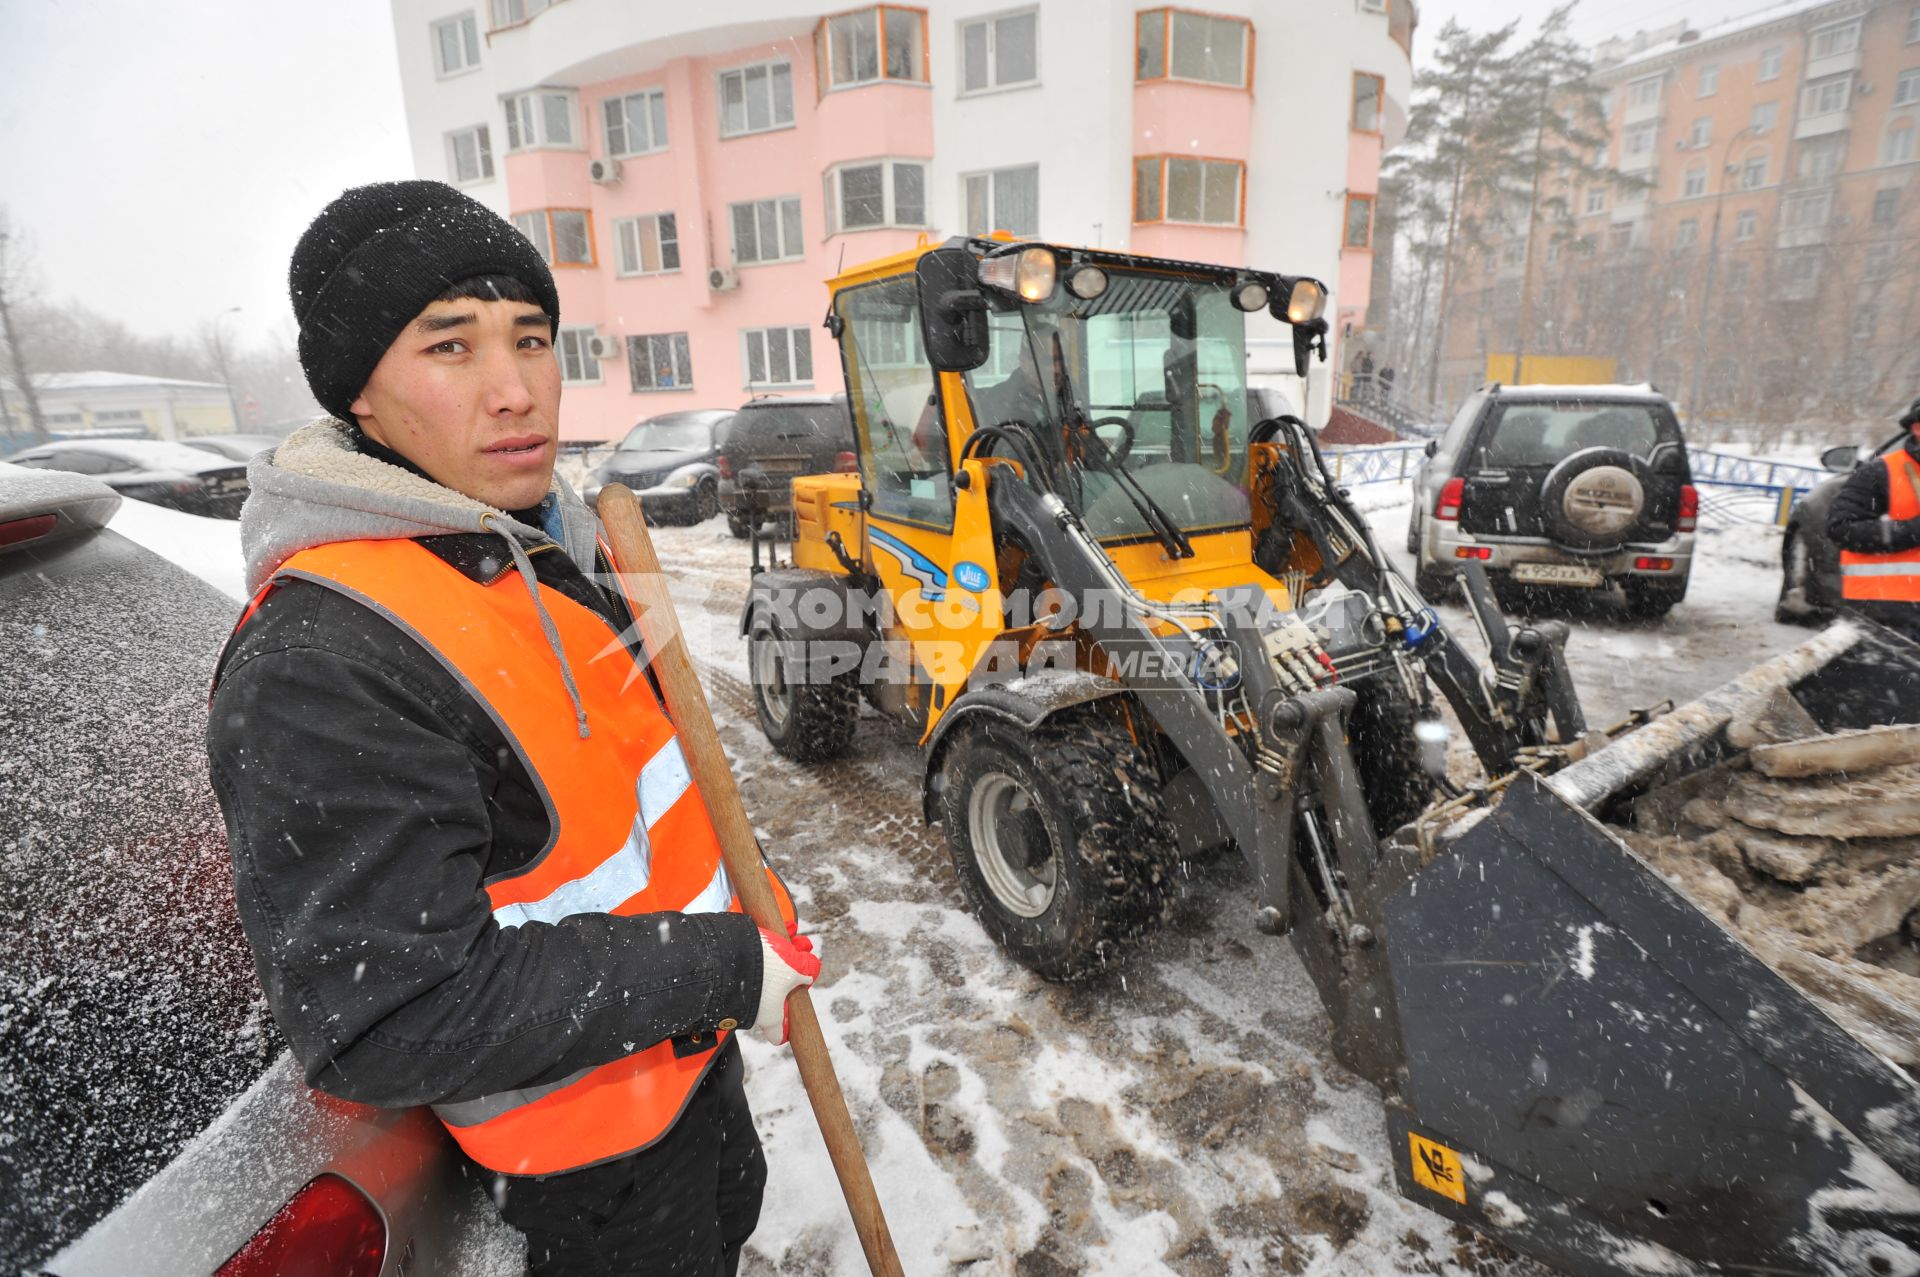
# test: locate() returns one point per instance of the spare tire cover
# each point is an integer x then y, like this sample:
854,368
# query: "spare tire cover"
1594,498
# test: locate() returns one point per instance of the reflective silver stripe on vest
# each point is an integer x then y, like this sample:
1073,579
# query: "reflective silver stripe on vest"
488,1107
625,874
1910,567
715,896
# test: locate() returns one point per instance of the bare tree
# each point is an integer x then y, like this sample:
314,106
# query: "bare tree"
16,269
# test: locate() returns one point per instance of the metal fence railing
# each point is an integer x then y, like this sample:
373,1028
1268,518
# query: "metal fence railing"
1736,489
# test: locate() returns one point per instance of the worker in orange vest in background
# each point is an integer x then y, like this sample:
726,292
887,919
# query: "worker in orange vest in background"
468,854
1875,520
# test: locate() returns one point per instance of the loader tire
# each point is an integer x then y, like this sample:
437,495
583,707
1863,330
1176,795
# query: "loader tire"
809,722
1059,837
1386,754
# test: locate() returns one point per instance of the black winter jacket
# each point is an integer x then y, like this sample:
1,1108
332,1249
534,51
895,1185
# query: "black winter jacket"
368,799
1858,521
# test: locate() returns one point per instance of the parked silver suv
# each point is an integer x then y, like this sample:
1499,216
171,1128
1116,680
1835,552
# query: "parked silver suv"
1559,488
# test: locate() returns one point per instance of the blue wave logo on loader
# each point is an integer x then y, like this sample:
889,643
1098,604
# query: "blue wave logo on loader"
932,578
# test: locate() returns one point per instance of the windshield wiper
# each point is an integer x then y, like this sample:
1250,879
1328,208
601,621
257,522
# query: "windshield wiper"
1074,418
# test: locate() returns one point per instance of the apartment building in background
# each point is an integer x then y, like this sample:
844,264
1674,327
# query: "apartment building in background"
696,174
1757,253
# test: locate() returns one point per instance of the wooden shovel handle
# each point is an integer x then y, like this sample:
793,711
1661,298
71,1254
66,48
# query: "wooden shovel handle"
645,587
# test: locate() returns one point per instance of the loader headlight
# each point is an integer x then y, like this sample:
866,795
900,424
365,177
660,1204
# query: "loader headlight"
1086,282
1306,301
1250,295
1029,274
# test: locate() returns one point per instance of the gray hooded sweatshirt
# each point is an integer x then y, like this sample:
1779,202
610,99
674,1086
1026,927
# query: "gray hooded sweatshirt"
370,797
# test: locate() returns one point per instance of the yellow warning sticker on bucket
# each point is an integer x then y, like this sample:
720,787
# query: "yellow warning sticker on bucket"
1437,1167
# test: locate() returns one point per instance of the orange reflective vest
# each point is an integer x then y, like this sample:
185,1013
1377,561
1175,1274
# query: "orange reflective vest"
1888,578
630,834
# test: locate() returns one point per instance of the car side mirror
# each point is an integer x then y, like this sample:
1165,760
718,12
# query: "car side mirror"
1433,446
1841,459
953,310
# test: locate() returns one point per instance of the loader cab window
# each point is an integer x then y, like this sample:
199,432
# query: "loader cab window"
1157,365
897,419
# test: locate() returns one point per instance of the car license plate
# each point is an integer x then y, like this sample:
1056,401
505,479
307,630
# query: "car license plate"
1556,574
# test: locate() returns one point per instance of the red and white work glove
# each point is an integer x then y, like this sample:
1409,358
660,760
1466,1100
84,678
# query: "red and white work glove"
786,963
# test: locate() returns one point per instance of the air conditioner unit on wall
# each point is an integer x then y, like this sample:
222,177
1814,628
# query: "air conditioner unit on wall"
604,172
723,279
1373,6
604,345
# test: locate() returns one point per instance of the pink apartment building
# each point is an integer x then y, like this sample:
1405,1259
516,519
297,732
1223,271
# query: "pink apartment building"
694,174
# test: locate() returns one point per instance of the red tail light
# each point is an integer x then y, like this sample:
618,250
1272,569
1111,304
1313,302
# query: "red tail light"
328,1229
1448,507
1689,516
28,529
1482,552
846,463
1649,563
724,466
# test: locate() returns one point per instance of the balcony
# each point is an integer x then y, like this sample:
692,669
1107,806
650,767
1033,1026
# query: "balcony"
1643,112
1800,236
1832,64
1646,161
1822,125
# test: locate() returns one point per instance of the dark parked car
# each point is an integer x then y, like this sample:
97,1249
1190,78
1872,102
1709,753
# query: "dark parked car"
669,463
154,1120
1809,562
152,470
234,447
771,441
1561,487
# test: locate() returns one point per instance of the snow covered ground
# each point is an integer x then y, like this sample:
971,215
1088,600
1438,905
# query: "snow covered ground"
1184,1114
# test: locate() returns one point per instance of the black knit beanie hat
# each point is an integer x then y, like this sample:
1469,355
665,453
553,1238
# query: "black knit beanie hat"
373,260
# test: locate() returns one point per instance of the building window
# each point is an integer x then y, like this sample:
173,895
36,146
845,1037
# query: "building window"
1702,133
1913,26
1644,92
1765,116
1175,189
756,98
1176,44
563,236
1825,97
766,231
1770,60
1368,92
1746,226
469,155
1843,37
1596,199
1798,274
1620,237
1359,232
456,45
636,123
1865,320
1879,260
1005,199
1807,210
1885,204
869,45
1640,138
777,356
660,361
541,118
1695,182
1709,79
1821,157
577,364
1897,146
1000,52
1906,89
647,245
508,12
882,193
1686,233
1753,172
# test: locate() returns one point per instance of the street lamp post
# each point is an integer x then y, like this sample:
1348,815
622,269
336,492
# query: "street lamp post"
220,355
1713,262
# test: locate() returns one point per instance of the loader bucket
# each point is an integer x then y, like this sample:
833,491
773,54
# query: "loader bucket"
1602,1074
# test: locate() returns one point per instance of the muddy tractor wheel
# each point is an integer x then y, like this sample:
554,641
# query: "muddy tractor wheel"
1059,837
807,721
1387,756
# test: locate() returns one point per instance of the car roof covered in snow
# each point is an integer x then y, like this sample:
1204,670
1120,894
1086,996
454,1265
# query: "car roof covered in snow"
1639,390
